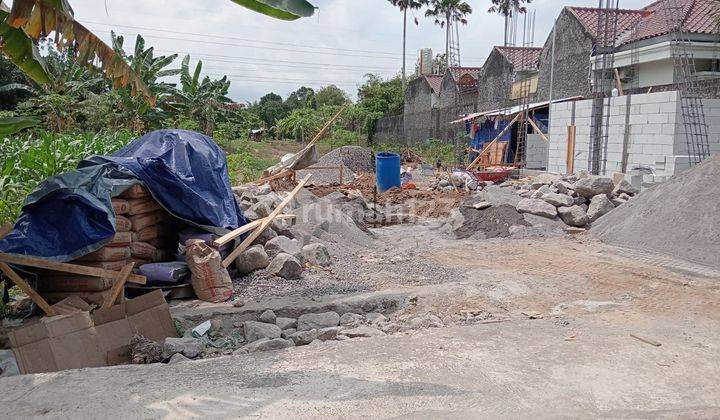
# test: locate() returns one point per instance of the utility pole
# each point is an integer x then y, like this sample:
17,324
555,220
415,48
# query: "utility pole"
404,79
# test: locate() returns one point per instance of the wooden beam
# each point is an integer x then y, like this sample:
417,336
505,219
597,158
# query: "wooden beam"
266,222
67,268
22,284
618,84
280,175
502,133
570,157
245,228
118,286
317,137
537,130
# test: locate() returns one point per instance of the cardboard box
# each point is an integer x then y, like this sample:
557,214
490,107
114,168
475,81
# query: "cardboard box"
81,340
57,343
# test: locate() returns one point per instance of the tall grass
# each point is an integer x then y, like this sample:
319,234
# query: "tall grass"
27,160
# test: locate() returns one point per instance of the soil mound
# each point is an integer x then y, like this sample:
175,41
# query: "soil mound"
680,217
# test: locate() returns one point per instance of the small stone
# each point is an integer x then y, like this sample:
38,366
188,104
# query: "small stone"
573,216
253,258
572,230
316,254
537,207
391,328
376,318
350,319
263,208
558,200
288,332
302,338
546,179
308,322
266,344
625,187
592,185
599,206
283,244
285,266
257,330
522,192
177,358
482,205
363,331
285,323
187,346
326,334
268,317
264,189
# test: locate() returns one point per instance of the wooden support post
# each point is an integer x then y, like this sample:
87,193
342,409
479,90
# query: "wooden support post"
118,286
537,129
570,157
341,174
618,84
22,284
266,222
499,136
245,228
67,268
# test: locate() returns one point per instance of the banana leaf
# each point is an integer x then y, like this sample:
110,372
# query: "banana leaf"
11,125
21,50
280,9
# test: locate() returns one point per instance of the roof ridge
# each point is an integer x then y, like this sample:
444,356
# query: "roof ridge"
618,10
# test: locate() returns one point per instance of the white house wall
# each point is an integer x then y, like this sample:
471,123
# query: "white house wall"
656,135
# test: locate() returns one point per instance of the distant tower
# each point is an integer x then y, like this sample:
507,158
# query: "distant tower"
425,61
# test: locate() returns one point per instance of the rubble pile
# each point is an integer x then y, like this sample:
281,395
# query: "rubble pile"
456,181
576,200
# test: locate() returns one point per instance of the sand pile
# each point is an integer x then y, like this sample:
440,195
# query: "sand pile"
680,217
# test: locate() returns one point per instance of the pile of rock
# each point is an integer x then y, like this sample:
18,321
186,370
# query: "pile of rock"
457,180
576,200
281,249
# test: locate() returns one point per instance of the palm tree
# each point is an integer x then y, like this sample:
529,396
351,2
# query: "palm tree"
445,12
404,5
506,8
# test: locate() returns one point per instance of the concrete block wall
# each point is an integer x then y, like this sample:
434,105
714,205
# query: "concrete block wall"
656,136
536,152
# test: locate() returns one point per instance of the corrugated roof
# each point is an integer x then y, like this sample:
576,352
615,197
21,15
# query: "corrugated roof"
435,82
521,57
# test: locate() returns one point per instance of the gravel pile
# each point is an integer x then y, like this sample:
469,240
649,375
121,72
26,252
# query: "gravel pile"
354,159
680,217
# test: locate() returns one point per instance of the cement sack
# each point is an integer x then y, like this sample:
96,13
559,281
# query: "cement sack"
141,221
107,254
120,206
143,250
73,283
210,280
149,233
136,191
121,239
106,265
142,205
122,224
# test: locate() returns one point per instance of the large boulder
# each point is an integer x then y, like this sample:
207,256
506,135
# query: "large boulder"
266,344
308,322
558,200
285,323
285,266
537,207
187,346
302,338
284,244
547,179
256,330
263,208
573,216
599,206
253,258
316,254
592,185
363,331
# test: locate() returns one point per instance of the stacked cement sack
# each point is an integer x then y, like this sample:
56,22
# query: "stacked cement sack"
144,235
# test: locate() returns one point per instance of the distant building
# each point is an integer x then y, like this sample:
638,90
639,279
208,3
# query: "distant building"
496,85
425,62
422,98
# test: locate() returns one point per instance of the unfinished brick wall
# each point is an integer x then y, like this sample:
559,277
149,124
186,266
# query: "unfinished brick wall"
494,82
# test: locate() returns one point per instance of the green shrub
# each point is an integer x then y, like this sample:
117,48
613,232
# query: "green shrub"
244,167
27,160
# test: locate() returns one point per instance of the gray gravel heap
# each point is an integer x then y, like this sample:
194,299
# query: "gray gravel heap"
354,159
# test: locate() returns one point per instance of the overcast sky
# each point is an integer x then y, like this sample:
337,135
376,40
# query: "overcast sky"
343,41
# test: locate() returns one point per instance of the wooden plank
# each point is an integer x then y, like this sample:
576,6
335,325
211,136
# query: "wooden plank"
266,222
67,268
570,157
618,84
502,133
245,228
646,340
283,174
22,284
537,130
118,285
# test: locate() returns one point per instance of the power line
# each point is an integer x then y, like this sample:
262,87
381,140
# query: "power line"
256,46
243,39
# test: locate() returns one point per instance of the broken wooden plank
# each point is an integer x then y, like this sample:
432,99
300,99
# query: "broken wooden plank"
284,174
570,156
22,284
118,285
266,222
646,340
245,228
67,268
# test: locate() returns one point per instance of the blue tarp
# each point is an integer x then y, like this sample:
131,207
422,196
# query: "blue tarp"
70,215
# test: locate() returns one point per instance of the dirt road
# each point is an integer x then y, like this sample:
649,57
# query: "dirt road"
577,359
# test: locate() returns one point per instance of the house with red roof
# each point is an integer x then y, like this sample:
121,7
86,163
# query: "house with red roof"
506,68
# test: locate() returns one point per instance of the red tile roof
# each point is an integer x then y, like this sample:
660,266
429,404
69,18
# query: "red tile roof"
435,82
698,17
458,72
521,57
